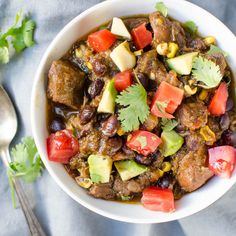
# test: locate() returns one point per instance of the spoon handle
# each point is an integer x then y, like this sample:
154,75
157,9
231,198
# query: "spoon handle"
32,221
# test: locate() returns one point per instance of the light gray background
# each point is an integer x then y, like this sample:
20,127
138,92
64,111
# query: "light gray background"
57,212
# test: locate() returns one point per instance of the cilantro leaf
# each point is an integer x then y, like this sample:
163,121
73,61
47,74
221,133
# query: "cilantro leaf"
135,110
25,164
207,72
215,49
161,7
191,27
4,55
167,124
161,106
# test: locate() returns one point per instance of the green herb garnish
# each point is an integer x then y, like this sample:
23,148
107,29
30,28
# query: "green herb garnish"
22,37
135,110
191,27
168,124
161,7
207,72
215,49
161,106
26,163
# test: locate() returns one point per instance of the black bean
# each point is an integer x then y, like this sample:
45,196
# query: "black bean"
229,138
143,79
230,104
95,88
99,67
86,114
110,126
147,161
165,181
110,146
128,151
224,121
56,125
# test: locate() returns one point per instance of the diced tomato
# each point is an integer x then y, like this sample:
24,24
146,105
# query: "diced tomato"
222,160
143,142
141,36
158,199
169,95
217,105
101,40
123,80
61,146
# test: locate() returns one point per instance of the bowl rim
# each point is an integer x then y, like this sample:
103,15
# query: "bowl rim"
39,70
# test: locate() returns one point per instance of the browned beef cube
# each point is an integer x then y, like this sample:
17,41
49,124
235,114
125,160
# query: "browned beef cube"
65,84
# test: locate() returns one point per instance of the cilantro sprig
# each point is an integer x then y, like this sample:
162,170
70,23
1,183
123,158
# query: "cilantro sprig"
161,7
207,72
26,163
135,109
22,37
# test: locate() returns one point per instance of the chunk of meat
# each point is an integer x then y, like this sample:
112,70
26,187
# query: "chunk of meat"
149,65
192,115
192,171
103,191
196,44
166,30
131,23
194,141
214,125
150,123
219,59
65,84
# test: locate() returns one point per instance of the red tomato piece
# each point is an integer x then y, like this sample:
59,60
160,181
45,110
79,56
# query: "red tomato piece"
61,146
123,80
141,36
171,96
158,199
143,142
222,160
217,105
101,40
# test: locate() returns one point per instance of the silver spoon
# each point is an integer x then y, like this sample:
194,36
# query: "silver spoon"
8,127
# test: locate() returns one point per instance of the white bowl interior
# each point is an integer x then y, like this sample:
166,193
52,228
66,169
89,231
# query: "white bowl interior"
180,10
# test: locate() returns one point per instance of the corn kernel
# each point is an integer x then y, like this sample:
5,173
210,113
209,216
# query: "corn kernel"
138,53
83,182
166,166
89,65
161,172
210,40
203,95
78,53
173,48
189,91
120,131
162,49
191,82
208,134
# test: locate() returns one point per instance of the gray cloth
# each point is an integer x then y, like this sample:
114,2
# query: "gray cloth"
57,212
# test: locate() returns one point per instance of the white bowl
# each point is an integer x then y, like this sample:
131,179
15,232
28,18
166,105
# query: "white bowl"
82,24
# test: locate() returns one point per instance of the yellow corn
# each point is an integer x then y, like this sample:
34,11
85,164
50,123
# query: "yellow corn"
189,91
161,172
208,134
89,65
173,48
203,95
191,82
83,182
78,52
166,166
210,40
138,53
162,49
120,131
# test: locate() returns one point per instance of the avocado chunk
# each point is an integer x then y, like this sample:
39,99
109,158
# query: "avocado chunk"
129,169
182,64
118,28
123,57
107,103
100,168
171,143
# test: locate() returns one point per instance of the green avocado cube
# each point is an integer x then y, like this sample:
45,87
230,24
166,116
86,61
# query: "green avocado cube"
171,143
129,168
100,168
